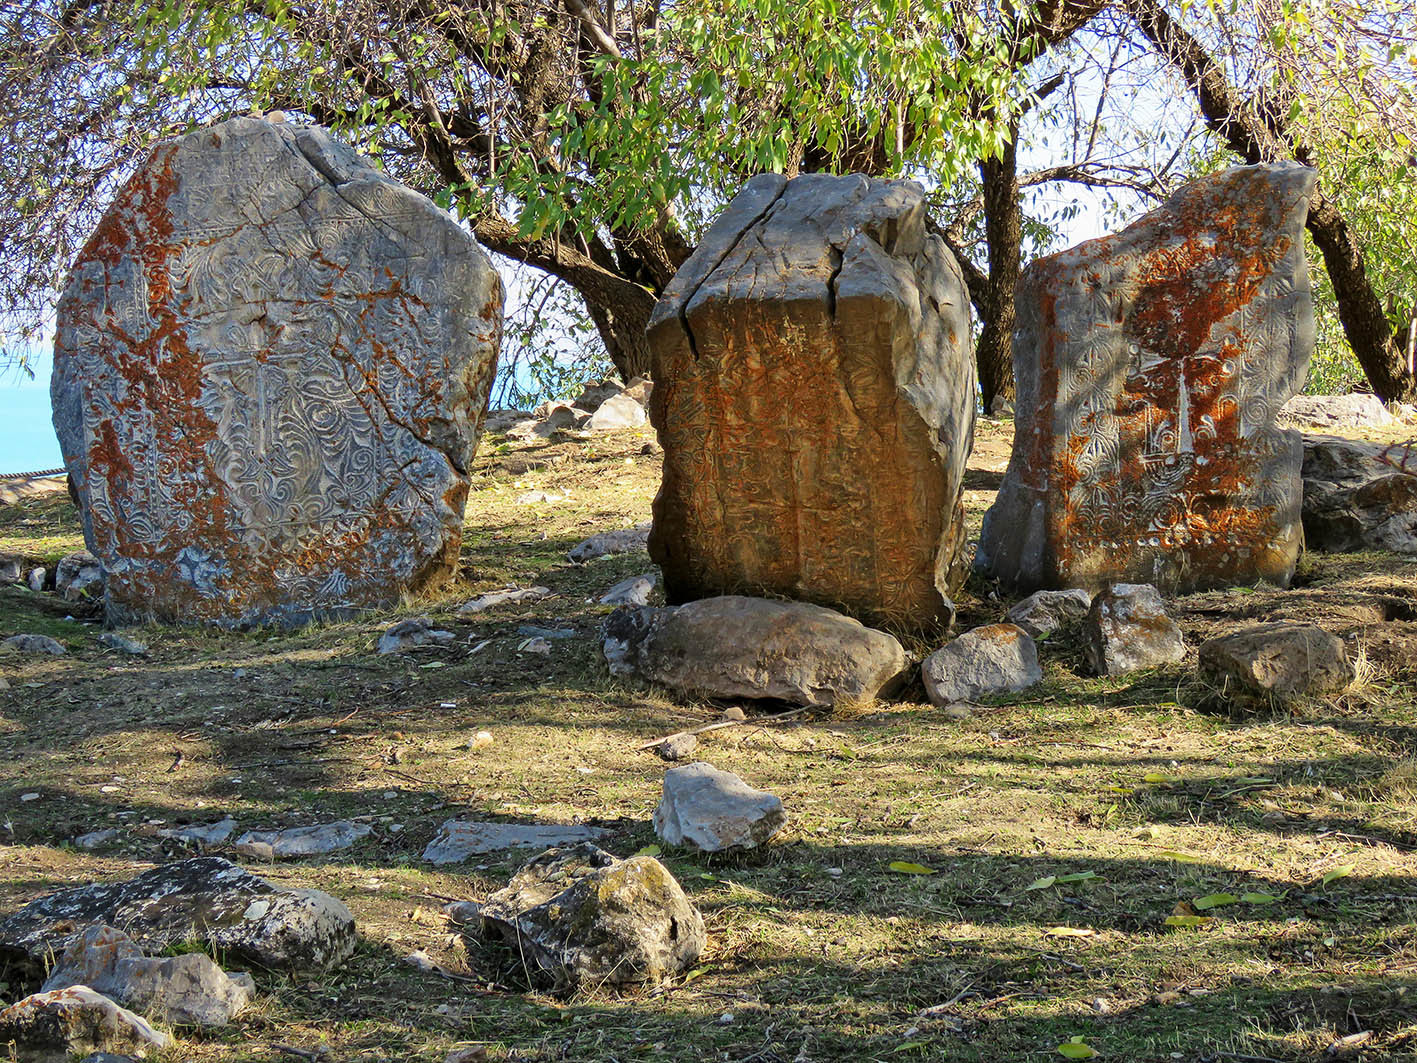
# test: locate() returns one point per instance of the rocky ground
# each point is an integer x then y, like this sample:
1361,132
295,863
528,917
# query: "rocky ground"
968,884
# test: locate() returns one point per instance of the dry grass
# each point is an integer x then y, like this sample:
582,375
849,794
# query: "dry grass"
817,950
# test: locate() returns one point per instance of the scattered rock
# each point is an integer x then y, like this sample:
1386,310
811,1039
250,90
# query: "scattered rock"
822,406
189,989
539,632
1355,500
509,596
996,659
481,740
1150,364
557,419
633,591
11,571
78,576
308,841
96,839
116,640
1356,410
535,644
207,900
202,833
459,839
604,544
581,917
1044,612
615,413
594,394
51,1027
735,647
33,644
639,389
1128,629
37,578
299,444
677,747
498,421
1278,660
715,811
415,631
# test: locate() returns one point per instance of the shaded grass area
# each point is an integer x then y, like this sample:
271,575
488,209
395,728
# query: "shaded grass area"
1132,801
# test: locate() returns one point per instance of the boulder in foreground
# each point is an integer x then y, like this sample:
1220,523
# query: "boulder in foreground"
1128,629
994,659
1281,661
52,1027
715,811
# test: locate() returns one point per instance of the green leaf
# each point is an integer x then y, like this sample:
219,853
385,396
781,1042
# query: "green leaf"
649,850
1041,884
1260,898
1213,900
1077,1048
1188,920
904,867
1180,857
1341,871
1077,876
1157,778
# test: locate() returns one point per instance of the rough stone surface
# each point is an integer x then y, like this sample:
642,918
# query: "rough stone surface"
202,833
308,841
633,591
415,631
1354,500
604,544
583,918
1356,410
52,1027
37,578
78,576
206,900
616,412
508,596
116,640
715,811
815,396
1044,612
594,394
188,989
11,571
995,659
1280,660
271,362
96,839
677,747
736,647
1128,629
459,839
33,644
1150,366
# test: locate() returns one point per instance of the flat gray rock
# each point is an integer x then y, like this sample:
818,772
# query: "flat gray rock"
459,839
737,647
581,918
633,591
1128,629
36,579
715,811
202,833
11,571
207,900
53,1027
78,576
40,644
995,659
1043,612
96,839
313,840
1355,499
1356,410
615,413
605,544
508,596
1281,661
116,640
411,633
271,363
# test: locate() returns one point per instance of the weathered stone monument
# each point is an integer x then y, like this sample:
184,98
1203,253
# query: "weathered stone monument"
1150,366
270,369
815,394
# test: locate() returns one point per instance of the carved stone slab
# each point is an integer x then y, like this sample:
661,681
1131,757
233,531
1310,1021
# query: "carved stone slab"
270,369
1150,367
815,394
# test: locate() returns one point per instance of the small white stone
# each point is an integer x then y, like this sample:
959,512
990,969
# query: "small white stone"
29,797
256,909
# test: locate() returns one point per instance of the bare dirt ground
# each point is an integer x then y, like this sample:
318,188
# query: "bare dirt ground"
1062,827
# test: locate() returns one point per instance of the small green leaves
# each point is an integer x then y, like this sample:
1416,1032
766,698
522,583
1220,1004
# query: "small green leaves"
1180,857
1214,900
1341,871
1077,1048
1188,920
649,850
1060,880
1262,898
904,867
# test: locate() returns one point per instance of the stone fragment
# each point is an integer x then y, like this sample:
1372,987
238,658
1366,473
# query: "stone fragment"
202,833
735,647
815,401
459,839
33,644
501,420
616,412
677,747
509,596
1354,500
559,418
37,578
1044,612
313,840
1355,410
271,363
206,900
1278,660
96,839
189,989
52,1027
640,390
116,640
604,544
78,576
11,571
415,631
1128,629
995,659
1150,366
594,394
715,811
580,917
633,591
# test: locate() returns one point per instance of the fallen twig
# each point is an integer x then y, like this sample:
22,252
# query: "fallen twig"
753,721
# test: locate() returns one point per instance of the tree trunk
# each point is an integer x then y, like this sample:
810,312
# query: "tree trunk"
1003,233
622,330
1369,333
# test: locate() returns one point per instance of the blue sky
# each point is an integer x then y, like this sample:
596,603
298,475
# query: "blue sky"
26,433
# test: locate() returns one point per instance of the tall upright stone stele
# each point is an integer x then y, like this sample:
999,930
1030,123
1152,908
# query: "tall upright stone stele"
1150,366
270,370
814,394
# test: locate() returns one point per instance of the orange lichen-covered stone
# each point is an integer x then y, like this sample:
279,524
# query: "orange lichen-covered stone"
815,394
1150,367
270,369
